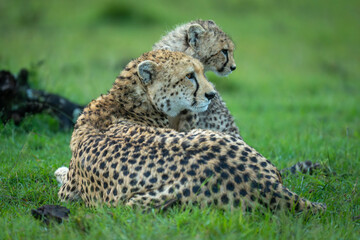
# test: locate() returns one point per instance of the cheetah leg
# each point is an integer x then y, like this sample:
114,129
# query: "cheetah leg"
167,204
154,199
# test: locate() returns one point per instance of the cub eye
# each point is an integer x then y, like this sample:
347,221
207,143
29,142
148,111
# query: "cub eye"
225,52
190,75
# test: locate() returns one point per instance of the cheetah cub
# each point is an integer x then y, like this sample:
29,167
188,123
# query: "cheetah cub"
205,41
123,151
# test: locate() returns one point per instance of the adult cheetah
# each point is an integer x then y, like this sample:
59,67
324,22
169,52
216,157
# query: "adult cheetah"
124,153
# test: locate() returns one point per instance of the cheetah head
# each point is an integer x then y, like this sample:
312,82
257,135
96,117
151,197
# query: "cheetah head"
176,84
212,47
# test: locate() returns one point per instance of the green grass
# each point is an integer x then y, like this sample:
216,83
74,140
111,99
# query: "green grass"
295,96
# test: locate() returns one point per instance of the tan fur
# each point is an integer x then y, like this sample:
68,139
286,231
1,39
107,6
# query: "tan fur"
123,152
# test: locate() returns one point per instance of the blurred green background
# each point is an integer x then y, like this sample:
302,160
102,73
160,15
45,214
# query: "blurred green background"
295,96
298,69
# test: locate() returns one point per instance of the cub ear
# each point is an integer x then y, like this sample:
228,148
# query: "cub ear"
146,71
210,22
193,35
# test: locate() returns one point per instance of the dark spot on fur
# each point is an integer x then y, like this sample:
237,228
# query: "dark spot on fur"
215,188
191,172
215,149
246,177
207,193
230,186
254,159
224,199
153,180
186,192
196,189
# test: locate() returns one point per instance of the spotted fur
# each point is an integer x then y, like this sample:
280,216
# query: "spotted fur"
124,153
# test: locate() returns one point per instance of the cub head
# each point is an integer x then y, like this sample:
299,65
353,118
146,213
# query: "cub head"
175,82
211,46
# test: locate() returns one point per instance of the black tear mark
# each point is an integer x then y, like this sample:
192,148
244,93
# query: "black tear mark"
197,86
226,62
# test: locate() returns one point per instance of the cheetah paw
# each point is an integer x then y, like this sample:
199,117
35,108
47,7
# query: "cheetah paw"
61,175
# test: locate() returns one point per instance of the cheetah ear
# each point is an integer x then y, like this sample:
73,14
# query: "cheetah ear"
193,35
210,22
146,71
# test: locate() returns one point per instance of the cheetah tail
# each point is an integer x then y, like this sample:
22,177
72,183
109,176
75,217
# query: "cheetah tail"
301,167
299,204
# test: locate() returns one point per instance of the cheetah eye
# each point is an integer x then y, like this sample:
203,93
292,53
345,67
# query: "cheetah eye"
190,76
225,52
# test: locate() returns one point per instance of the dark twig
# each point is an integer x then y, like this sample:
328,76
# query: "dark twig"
18,100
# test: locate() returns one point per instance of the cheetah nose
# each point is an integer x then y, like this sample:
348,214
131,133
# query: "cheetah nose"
210,95
232,68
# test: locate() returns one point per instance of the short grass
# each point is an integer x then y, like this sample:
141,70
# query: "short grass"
295,96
